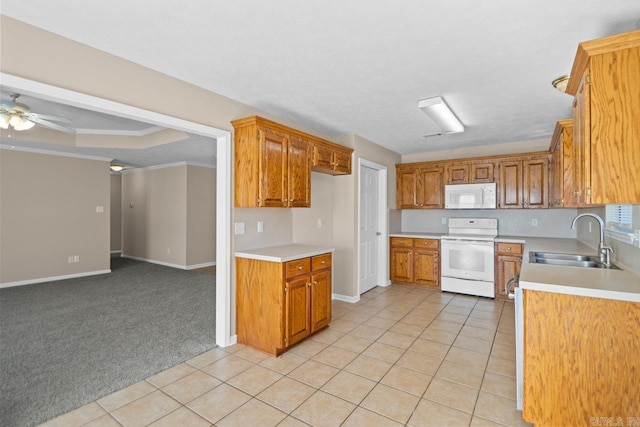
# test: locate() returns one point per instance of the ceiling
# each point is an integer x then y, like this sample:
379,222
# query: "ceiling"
190,148
358,66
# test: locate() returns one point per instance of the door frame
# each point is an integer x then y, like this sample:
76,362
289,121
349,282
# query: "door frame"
223,175
383,265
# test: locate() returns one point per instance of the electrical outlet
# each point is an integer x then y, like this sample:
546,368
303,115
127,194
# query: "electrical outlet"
444,220
70,259
319,222
534,222
99,209
239,227
260,226
76,258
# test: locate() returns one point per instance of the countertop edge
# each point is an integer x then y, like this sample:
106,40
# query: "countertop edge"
283,253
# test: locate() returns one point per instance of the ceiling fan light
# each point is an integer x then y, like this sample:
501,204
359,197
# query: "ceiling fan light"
4,121
28,124
23,125
15,120
441,114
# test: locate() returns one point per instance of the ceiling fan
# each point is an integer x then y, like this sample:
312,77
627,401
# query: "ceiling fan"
20,117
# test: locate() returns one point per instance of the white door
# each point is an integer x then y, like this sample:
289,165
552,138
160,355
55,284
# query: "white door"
369,233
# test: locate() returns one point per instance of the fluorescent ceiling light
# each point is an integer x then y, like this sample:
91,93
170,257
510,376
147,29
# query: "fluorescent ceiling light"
441,114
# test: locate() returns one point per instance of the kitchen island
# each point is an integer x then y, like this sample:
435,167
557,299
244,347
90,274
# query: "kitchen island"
283,295
581,330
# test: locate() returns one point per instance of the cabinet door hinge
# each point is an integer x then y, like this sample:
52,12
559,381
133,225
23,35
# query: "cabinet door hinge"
587,79
588,191
286,289
285,340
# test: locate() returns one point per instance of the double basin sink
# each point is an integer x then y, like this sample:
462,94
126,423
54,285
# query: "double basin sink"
570,260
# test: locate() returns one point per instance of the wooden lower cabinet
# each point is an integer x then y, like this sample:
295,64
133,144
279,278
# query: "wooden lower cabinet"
280,304
415,261
507,265
581,364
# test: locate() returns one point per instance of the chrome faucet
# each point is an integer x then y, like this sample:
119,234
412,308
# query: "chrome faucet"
604,251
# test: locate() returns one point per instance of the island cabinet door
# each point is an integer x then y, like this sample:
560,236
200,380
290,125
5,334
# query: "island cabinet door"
297,319
320,300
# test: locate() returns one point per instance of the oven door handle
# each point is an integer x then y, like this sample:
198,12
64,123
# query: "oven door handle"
513,282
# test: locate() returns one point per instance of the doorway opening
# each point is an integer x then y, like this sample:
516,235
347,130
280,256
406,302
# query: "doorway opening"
223,175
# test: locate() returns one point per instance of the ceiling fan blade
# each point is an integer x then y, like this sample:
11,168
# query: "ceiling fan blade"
52,125
47,117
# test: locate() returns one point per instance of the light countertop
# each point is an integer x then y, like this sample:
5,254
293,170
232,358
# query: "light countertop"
284,253
592,282
419,235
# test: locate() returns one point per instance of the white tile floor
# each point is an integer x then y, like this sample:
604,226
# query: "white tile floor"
403,355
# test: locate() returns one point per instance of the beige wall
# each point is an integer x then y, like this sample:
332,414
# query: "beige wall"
345,218
201,215
168,215
485,150
48,213
154,214
116,212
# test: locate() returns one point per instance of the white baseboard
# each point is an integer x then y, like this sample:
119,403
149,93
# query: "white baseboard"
384,285
53,278
233,339
345,298
119,251
203,265
168,264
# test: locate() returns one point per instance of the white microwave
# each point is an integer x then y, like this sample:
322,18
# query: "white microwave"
470,196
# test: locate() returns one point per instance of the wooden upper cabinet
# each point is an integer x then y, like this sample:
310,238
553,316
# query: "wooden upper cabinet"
524,183
429,193
510,185
419,187
406,186
457,173
299,173
482,172
471,172
272,163
273,168
582,148
606,119
535,183
561,166
331,158
522,180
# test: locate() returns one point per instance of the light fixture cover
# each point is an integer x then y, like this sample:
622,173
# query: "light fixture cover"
561,83
441,114
116,168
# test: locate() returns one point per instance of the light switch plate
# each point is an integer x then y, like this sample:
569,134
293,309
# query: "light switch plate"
260,226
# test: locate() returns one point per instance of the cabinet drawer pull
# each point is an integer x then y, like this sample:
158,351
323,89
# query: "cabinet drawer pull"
323,262
315,282
299,267
309,284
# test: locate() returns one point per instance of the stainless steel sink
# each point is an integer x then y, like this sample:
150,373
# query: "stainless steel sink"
568,260
551,255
